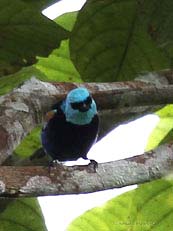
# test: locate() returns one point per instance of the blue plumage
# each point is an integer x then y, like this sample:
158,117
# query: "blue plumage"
79,96
72,127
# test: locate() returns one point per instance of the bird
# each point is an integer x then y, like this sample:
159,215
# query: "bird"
71,127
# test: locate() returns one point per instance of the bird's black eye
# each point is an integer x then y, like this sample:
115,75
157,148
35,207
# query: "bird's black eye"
79,105
88,100
76,105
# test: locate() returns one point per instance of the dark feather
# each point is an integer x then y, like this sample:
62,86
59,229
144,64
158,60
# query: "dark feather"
66,141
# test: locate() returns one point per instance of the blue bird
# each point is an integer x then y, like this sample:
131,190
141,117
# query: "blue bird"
72,127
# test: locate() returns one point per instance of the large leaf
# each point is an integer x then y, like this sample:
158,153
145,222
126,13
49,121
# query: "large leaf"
24,34
116,40
163,132
41,4
21,215
149,207
58,66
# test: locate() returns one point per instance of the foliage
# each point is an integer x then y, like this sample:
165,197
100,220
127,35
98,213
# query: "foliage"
149,207
58,66
25,33
21,215
30,143
163,133
9,82
116,40
106,41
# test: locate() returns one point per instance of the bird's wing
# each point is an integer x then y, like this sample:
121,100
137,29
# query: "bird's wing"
49,115
55,112
96,128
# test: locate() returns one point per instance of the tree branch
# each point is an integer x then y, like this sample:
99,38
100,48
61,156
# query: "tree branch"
22,109
37,181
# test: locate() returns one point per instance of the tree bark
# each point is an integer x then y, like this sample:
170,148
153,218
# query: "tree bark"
61,180
23,108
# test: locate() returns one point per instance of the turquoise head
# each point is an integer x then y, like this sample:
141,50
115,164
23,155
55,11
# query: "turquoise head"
79,107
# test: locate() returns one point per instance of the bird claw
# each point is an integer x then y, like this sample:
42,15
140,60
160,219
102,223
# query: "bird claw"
92,166
54,164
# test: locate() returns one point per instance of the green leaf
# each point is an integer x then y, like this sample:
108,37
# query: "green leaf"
24,34
21,215
149,207
67,20
41,4
163,132
29,144
58,66
9,82
116,40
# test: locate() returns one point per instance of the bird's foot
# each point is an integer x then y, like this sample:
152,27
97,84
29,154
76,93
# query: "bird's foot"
92,166
54,164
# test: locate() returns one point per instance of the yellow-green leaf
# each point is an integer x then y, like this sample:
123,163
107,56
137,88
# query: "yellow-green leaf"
163,132
149,207
58,65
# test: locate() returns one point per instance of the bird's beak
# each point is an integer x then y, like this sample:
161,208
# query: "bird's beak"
84,107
